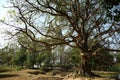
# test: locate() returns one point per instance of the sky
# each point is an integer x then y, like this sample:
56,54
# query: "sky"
2,10
3,13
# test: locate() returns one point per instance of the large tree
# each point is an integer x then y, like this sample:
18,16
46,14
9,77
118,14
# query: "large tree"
82,24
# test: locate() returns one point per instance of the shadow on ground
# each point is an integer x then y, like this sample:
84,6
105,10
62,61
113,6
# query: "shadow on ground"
50,78
5,70
37,72
7,75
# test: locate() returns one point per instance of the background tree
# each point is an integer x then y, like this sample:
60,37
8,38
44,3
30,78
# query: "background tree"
44,60
118,58
74,57
20,58
102,61
30,60
78,21
6,55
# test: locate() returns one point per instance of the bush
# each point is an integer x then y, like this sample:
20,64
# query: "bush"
19,68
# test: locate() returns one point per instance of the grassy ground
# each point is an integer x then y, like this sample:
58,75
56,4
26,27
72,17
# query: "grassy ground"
29,74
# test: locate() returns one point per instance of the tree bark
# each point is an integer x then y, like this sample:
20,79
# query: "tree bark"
85,67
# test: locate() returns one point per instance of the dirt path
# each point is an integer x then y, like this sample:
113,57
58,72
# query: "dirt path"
18,75
28,75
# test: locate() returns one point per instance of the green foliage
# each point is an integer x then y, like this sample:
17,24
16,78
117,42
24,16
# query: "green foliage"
30,61
20,57
115,67
118,57
102,61
74,57
19,68
45,58
6,55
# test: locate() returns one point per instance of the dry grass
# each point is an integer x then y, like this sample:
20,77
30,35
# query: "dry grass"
29,74
18,75
89,79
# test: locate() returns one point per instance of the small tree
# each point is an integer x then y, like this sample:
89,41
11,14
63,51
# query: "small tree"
102,61
74,58
30,61
20,58
6,55
46,58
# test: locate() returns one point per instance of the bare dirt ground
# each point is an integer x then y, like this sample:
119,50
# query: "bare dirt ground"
29,74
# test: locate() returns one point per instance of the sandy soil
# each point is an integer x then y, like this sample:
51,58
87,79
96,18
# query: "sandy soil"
27,75
18,75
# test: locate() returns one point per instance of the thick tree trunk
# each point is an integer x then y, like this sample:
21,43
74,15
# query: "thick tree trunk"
85,67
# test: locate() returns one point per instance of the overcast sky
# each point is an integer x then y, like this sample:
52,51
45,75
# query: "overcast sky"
3,13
